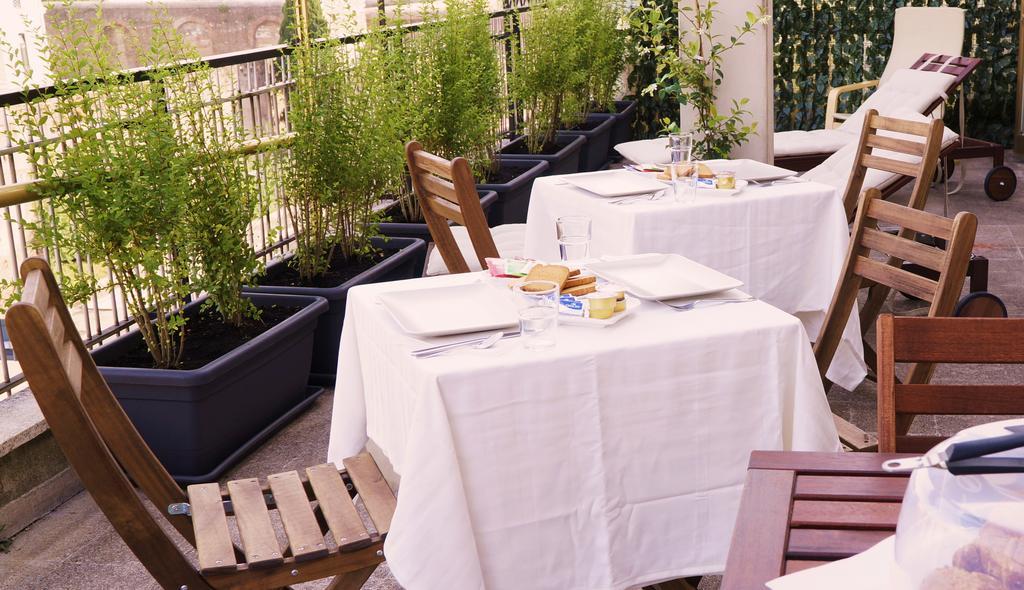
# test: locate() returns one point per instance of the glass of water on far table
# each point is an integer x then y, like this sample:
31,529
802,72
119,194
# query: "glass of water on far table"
681,166
538,313
573,237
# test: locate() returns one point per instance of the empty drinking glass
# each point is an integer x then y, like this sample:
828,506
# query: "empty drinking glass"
573,237
538,313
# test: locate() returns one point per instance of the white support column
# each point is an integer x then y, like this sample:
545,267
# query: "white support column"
748,73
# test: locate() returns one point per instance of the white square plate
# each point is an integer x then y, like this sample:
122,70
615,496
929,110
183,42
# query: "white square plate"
457,309
663,276
751,169
615,183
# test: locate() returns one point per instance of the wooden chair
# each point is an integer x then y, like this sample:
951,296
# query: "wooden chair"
108,454
942,292
446,191
873,136
943,340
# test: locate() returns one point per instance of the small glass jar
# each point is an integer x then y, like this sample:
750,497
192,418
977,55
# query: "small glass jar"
725,180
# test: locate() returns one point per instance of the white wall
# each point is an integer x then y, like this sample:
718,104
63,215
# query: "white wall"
748,73
21,26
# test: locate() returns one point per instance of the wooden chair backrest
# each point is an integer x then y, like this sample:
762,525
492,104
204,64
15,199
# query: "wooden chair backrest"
927,150
943,340
942,292
99,440
446,191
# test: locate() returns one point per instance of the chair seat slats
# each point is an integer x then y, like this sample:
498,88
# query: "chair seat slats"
906,282
304,536
373,489
889,165
912,219
339,512
959,400
904,249
73,366
439,187
36,291
893,144
55,325
213,540
259,542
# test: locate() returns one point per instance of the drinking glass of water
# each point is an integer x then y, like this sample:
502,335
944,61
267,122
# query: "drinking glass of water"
682,169
538,313
573,237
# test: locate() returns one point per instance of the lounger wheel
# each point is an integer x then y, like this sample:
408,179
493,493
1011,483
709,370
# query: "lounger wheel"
981,304
1000,183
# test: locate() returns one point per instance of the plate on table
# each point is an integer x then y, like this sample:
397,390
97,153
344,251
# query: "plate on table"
724,192
615,183
663,276
751,169
457,309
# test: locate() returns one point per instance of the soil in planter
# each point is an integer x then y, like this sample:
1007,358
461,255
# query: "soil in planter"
397,215
520,147
502,175
586,125
208,338
284,275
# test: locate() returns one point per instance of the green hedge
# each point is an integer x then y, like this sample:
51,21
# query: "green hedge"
820,44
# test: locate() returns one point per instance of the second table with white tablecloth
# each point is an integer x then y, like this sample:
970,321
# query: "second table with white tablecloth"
616,458
787,242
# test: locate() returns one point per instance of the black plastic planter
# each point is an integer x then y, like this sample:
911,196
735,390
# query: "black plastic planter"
200,422
420,230
598,130
564,161
514,195
622,130
401,264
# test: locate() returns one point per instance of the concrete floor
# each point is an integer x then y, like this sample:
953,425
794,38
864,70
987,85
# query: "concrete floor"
75,548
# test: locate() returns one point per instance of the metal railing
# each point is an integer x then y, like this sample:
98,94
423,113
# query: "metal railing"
252,87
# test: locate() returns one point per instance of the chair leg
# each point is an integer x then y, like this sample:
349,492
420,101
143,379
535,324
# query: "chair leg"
352,580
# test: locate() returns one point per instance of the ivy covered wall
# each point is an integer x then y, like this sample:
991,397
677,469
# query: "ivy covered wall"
820,44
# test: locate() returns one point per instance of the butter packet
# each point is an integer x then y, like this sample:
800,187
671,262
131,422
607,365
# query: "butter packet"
509,267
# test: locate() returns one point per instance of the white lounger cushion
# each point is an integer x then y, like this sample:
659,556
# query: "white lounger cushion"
835,171
509,239
645,151
907,91
819,141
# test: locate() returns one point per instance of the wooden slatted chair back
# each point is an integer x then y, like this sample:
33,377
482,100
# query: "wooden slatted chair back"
922,141
948,268
92,429
943,340
446,191
955,65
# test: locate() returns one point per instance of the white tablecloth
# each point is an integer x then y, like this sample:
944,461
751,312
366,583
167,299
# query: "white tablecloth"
615,459
787,243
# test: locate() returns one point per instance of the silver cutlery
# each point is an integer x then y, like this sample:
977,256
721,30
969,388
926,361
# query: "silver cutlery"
653,196
690,305
490,340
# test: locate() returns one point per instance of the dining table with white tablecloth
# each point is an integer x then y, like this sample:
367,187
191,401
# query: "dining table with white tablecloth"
614,459
787,241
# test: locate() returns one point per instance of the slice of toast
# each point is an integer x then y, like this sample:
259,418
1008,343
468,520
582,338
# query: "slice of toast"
576,281
546,272
580,289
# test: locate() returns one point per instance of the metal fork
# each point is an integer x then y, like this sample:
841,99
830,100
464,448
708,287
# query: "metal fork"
633,198
693,304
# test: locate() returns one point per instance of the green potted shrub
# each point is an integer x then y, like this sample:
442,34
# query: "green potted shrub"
146,191
346,155
553,78
453,104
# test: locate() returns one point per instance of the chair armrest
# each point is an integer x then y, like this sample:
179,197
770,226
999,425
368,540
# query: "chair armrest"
831,119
